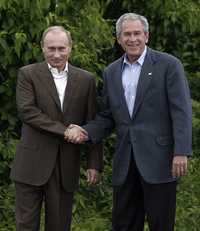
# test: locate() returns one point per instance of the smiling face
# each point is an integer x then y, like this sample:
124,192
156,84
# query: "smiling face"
56,49
133,38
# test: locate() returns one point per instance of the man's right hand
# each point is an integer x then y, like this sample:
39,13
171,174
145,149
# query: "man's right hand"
75,134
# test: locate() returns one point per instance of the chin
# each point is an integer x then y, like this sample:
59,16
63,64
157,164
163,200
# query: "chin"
134,54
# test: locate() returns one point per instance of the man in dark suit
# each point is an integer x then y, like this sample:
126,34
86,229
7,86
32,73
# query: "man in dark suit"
146,98
50,96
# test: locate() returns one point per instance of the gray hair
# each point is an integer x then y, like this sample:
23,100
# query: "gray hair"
58,29
131,16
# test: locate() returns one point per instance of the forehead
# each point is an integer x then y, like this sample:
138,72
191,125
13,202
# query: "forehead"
56,38
132,25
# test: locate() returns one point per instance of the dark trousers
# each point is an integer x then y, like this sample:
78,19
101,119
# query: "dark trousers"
136,200
58,205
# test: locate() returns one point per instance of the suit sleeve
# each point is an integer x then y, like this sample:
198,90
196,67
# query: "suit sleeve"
95,156
180,108
103,123
28,110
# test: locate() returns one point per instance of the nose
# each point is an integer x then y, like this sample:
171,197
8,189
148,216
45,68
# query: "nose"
57,53
132,37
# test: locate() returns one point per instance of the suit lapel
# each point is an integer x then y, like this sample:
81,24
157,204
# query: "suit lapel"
117,83
146,76
48,82
71,87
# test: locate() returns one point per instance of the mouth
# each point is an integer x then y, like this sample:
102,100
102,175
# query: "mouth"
133,48
56,61
133,45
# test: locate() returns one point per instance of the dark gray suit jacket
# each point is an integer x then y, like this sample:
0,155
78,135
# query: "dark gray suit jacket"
161,122
44,124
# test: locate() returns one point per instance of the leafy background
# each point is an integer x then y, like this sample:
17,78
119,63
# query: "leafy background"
174,28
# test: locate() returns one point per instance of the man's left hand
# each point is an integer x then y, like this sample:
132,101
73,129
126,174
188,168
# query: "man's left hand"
93,176
179,165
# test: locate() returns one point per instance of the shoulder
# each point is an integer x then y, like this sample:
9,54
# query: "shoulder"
32,72
163,57
31,68
116,64
81,73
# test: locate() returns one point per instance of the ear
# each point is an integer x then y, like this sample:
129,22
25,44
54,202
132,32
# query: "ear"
147,37
119,40
42,47
70,49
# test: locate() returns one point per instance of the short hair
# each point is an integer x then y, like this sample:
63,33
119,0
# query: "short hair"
131,16
56,28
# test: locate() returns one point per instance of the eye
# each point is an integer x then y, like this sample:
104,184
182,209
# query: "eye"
51,49
127,34
62,49
137,33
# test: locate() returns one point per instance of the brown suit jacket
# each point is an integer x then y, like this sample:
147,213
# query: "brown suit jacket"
44,124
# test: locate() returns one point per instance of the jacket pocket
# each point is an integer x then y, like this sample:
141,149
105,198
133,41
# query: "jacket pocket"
26,146
164,140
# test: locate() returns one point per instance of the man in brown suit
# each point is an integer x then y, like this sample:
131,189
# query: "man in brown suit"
50,96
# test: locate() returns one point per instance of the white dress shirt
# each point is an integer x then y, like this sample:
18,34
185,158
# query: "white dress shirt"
60,80
130,77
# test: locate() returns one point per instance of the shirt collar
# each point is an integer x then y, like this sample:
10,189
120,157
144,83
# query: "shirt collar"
55,70
139,61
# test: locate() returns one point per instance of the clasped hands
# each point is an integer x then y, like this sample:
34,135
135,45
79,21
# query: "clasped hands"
75,134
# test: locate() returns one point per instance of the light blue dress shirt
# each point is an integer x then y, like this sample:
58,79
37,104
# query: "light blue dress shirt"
130,77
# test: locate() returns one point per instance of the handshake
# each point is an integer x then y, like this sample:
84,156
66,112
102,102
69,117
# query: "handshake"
75,134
